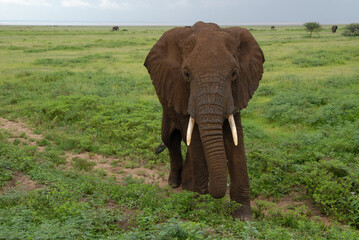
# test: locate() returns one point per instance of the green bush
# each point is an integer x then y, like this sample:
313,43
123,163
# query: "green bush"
351,30
312,27
332,190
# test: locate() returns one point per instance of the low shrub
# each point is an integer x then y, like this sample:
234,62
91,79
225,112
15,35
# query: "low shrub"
351,30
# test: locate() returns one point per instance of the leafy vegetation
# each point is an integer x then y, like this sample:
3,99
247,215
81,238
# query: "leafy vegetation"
351,30
85,89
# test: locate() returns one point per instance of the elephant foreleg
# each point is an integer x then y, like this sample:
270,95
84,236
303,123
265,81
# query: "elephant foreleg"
237,165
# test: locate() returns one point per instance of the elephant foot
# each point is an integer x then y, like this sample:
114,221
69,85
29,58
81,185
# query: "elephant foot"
174,180
243,213
187,186
201,190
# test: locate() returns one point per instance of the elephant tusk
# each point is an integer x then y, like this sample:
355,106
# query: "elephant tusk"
233,129
190,130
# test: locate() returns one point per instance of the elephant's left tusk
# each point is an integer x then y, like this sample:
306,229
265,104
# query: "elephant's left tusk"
190,130
233,129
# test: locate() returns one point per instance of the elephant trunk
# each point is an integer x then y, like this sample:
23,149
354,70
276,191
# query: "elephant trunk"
211,111
212,140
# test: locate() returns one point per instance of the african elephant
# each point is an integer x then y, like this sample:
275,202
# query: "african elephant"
203,76
334,28
115,28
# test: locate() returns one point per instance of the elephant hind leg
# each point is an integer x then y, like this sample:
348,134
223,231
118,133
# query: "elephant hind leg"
173,144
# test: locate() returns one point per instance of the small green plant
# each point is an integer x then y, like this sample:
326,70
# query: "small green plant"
5,175
82,164
54,156
114,163
312,27
23,135
43,142
16,141
131,164
101,172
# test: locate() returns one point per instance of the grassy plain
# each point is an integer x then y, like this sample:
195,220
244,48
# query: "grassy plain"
86,90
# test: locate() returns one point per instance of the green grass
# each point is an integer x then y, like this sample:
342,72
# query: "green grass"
85,89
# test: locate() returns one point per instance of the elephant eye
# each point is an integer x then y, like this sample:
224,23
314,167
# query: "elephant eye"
186,75
234,74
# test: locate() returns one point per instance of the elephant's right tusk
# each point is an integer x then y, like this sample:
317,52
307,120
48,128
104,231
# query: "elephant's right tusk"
190,130
233,129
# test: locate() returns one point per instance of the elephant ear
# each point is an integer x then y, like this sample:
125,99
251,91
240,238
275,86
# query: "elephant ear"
251,59
163,63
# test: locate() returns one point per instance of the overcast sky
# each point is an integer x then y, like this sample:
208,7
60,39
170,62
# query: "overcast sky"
182,12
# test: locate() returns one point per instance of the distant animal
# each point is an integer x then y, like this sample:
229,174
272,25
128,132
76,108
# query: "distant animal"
334,28
272,27
115,28
203,76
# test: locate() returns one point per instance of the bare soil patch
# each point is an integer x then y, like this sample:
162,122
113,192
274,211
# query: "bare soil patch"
296,199
115,167
23,182
22,132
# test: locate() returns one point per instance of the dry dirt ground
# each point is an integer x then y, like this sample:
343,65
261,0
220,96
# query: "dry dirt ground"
111,166
21,181
20,132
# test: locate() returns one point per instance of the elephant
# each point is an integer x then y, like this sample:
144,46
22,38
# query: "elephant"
334,28
203,76
115,28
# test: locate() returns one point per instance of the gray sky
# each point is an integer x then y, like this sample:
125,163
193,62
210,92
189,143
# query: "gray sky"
182,12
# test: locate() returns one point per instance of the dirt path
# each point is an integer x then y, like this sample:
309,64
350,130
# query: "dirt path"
115,167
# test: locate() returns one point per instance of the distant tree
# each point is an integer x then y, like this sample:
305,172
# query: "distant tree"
351,30
312,27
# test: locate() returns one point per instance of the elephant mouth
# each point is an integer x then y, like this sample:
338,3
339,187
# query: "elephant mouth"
231,123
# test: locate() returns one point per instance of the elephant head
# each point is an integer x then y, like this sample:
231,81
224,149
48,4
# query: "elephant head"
207,74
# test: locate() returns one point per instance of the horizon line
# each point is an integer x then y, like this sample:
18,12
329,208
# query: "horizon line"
111,23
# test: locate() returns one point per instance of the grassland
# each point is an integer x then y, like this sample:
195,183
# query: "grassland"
85,90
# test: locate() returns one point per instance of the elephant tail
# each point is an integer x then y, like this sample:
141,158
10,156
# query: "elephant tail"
160,148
